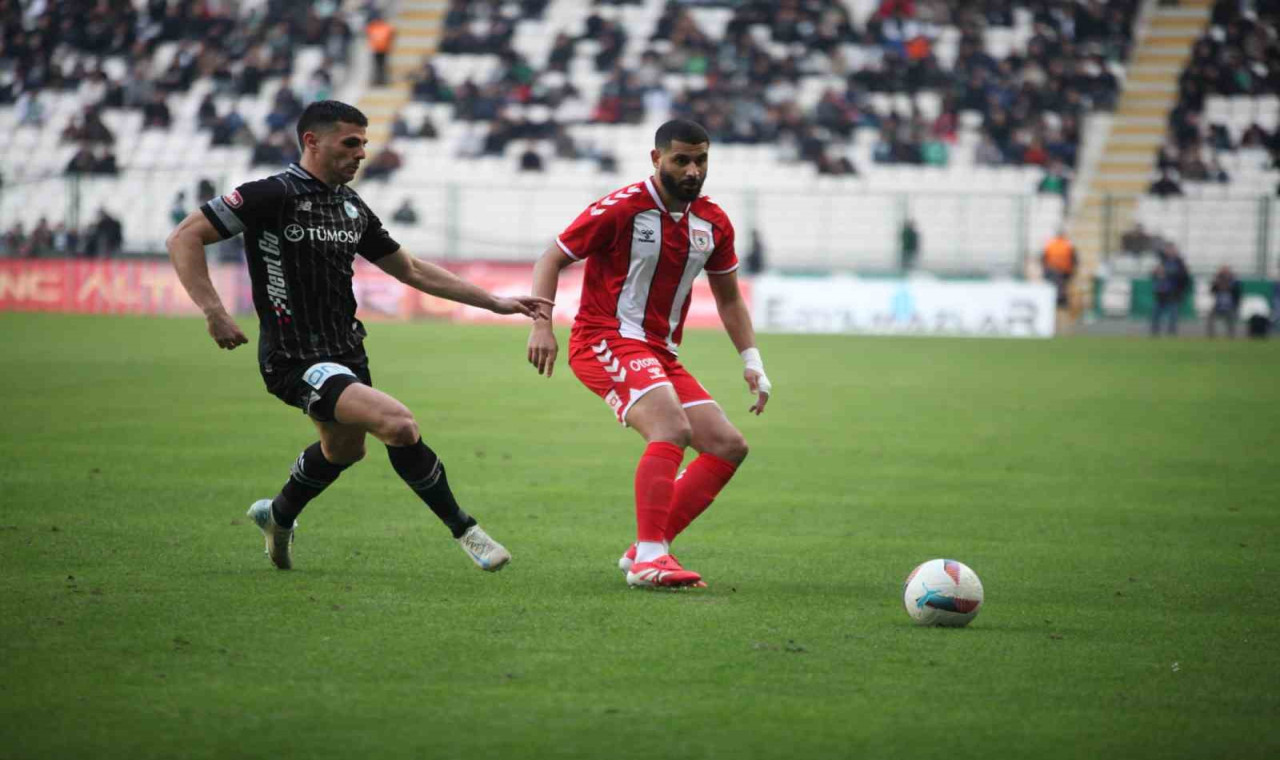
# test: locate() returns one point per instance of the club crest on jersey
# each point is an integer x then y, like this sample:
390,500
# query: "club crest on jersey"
350,208
700,240
233,199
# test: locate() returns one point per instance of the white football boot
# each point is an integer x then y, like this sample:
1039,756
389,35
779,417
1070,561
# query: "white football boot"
488,554
279,541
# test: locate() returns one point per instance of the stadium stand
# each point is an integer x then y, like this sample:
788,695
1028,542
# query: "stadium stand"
834,122
1201,171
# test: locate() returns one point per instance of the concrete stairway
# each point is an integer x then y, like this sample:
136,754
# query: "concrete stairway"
419,26
1126,166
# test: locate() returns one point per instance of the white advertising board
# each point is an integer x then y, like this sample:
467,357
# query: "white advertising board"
984,309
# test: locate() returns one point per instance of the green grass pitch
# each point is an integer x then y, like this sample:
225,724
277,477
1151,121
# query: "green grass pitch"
1117,497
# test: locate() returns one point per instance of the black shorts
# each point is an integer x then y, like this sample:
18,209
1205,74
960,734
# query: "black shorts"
314,385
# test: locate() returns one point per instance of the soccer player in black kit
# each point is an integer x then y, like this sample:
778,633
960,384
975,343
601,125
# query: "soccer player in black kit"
303,228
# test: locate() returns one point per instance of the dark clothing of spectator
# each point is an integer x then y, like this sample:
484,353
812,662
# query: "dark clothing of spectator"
156,114
1227,293
1165,187
531,161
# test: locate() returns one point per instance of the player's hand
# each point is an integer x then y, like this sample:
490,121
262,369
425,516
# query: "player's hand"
759,384
526,305
224,331
543,348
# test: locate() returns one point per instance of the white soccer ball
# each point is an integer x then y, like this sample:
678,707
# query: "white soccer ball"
942,592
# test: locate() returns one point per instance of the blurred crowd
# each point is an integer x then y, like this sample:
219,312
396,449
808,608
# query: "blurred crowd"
103,238
745,87
1238,55
60,46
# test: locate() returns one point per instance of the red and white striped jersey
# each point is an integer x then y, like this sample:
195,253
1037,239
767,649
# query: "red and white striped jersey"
642,261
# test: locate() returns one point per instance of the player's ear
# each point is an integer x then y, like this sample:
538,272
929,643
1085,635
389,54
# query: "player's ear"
655,155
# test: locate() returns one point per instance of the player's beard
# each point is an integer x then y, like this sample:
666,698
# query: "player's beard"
686,192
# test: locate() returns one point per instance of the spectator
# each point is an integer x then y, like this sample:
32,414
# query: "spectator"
13,243
205,191
381,35
106,236
755,261
207,113
104,162
1060,262
909,251
1170,283
156,113
383,165
41,241
82,162
1055,180
429,87
406,214
1136,241
178,209
1227,293
1165,186
30,110
530,160
230,130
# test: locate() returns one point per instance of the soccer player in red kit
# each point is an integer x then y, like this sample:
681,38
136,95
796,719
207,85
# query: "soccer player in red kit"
644,245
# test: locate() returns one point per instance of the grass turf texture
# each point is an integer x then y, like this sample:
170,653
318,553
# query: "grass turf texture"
1117,498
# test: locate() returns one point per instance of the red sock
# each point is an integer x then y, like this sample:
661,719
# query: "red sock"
655,484
695,491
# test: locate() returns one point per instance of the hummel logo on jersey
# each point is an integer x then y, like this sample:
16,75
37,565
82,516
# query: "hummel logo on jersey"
645,234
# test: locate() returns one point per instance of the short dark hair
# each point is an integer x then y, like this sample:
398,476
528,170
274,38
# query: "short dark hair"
680,130
325,113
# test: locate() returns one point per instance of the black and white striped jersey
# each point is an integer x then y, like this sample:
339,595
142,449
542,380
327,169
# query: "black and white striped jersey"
301,237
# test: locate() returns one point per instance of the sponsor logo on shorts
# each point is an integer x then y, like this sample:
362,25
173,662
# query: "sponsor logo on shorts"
639,364
613,400
318,374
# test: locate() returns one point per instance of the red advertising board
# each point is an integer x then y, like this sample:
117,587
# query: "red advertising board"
86,286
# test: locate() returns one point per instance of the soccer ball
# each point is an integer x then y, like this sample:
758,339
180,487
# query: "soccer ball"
942,592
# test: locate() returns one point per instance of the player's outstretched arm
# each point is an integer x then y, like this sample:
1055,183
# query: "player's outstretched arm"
441,283
186,250
543,347
737,322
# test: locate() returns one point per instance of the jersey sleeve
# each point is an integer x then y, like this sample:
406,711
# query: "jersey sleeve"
376,241
592,232
253,203
724,259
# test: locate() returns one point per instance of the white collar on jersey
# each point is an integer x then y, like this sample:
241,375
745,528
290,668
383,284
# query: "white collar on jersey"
657,198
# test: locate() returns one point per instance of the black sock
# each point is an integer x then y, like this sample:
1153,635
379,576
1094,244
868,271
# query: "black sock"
311,474
423,471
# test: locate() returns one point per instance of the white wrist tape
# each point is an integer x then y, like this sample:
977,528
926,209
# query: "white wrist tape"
751,360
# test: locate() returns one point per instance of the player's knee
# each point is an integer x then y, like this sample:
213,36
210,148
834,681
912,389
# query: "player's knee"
732,448
678,432
400,429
